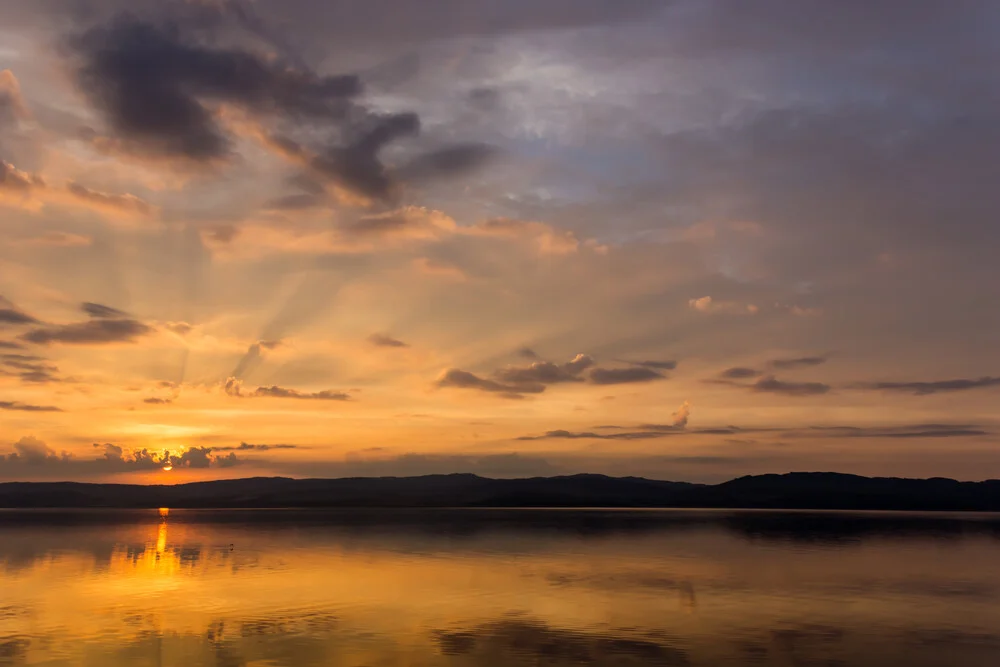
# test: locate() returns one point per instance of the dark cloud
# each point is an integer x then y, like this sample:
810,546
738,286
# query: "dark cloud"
31,456
247,447
527,353
157,401
156,86
234,387
562,434
772,385
545,372
453,377
447,162
515,381
658,365
99,311
739,373
159,86
29,368
358,166
9,314
893,432
280,392
93,332
296,202
623,375
800,362
25,407
935,387
254,357
382,340
10,345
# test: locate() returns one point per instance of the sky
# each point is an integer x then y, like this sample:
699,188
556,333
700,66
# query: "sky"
678,239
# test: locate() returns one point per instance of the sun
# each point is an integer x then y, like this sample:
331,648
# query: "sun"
168,468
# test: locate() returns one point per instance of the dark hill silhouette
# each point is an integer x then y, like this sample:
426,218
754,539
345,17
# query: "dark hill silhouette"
790,491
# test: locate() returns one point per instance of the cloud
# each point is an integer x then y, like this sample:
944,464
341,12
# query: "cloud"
14,182
234,387
739,373
10,345
15,406
99,311
29,368
514,381
658,365
157,401
411,222
254,357
607,376
707,304
126,203
247,447
179,328
30,191
934,387
448,161
382,340
31,455
12,105
153,86
771,385
161,91
33,451
682,415
55,240
545,372
456,378
11,315
892,432
280,392
527,353
93,332
800,362
296,202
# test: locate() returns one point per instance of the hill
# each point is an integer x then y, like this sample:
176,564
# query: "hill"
790,491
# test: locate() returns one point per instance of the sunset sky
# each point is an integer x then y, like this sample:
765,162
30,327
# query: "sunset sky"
687,239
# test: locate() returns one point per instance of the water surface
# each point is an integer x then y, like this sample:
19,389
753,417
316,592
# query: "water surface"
471,588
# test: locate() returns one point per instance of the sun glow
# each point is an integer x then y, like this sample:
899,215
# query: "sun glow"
168,468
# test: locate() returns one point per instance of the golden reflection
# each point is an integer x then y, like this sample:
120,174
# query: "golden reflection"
161,539
174,592
164,512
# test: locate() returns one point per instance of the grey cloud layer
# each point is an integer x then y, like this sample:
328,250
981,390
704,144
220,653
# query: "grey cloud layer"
934,387
31,456
516,381
234,387
158,85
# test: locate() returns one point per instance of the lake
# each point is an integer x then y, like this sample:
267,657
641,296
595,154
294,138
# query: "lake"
470,588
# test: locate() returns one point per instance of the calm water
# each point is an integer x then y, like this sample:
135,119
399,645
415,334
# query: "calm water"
498,588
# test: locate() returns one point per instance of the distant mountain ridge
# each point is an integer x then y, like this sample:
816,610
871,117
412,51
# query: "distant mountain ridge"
789,491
